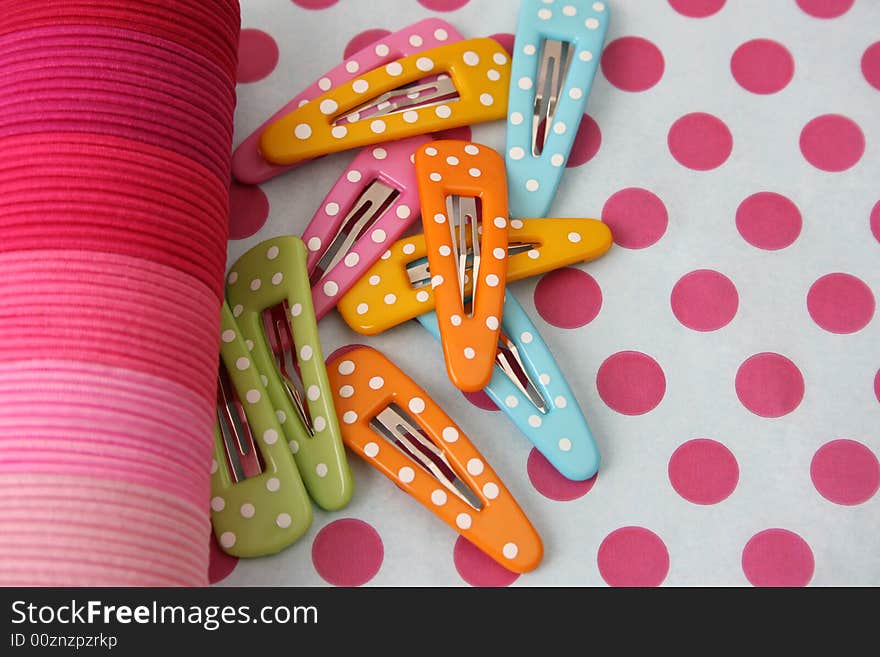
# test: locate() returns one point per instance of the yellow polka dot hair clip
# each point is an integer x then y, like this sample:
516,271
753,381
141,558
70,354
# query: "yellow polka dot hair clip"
453,85
397,287
259,504
268,291
394,425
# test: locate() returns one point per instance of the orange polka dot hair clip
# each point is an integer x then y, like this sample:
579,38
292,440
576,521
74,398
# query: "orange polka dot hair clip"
394,425
463,195
451,86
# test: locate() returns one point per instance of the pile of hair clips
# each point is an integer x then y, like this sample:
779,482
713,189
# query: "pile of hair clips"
284,417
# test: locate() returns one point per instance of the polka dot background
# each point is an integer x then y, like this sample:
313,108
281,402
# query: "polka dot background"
724,351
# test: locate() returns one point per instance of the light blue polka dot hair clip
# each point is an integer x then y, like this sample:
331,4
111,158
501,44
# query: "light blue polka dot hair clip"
529,387
556,52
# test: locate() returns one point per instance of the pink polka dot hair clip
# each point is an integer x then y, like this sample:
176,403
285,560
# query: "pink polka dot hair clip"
371,205
248,164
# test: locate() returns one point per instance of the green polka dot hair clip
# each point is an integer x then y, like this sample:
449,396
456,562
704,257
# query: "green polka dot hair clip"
269,294
259,504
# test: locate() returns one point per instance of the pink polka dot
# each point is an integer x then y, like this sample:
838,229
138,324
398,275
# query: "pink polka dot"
825,8
637,218
703,471
257,55
506,39
845,472
877,385
871,65
700,141
632,63
363,39
248,210
768,220
547,480
832,142
697,8
777,557
220,564
586,142
568,298
477,568
315,4
840,303
443,5
875,221
704,300
769,385
631,382
481,400
633,556
347,552
762,66
462,133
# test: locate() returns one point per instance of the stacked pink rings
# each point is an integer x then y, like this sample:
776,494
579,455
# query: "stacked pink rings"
116,130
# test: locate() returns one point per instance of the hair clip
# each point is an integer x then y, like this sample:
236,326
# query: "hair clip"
463,193
398,429
556,53
398,286
450,86
376,194
259,504
268,289
248,164
529,387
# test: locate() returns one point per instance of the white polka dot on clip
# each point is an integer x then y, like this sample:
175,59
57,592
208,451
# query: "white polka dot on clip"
303,131
475,467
